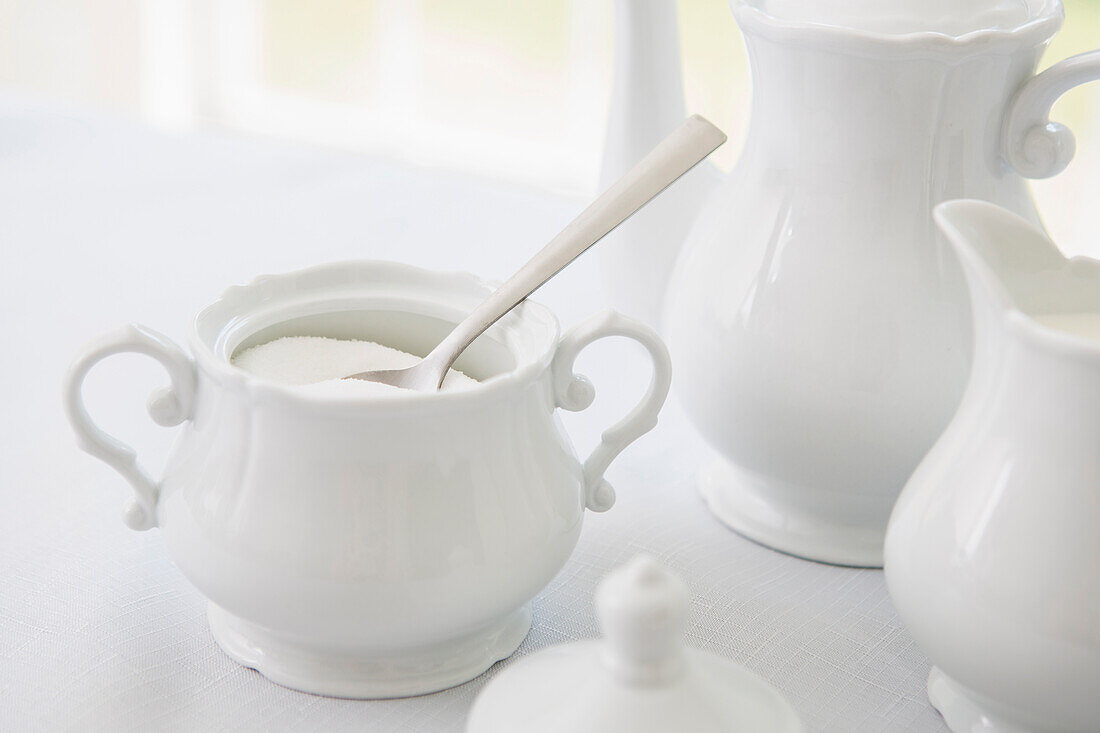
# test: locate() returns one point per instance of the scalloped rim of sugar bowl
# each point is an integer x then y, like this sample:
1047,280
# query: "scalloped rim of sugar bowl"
530,332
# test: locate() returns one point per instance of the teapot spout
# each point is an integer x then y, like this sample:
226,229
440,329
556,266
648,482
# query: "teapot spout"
647,103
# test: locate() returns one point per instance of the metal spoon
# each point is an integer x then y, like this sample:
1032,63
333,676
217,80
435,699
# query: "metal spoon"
673,157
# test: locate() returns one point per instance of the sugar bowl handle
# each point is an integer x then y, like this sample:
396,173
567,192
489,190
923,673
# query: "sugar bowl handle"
575,392
1034,146
167,406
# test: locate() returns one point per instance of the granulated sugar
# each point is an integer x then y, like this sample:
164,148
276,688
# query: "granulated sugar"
319,364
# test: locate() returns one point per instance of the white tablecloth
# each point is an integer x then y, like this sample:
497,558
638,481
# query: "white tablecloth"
103,222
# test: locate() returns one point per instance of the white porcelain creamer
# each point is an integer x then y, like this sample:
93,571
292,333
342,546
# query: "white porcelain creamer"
366,544
993,549
819,324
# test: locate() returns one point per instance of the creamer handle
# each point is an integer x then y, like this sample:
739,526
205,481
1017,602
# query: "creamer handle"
1034,146
574,392
167,406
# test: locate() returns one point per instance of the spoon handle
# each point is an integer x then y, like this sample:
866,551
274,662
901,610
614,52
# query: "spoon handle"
674,156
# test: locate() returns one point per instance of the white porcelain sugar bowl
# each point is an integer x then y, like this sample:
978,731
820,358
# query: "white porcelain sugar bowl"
640,678
369,545
993,549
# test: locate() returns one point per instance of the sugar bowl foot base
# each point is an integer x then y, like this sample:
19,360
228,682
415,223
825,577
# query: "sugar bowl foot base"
962,711
742,502
393,673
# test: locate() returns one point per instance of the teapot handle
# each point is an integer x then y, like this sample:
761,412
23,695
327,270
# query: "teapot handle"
574,392
167,406
1034,146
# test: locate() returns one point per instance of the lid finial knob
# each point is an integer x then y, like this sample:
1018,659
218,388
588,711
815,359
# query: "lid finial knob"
642,609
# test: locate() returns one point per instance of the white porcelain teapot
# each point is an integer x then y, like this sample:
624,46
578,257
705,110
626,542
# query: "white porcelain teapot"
819,324
992,551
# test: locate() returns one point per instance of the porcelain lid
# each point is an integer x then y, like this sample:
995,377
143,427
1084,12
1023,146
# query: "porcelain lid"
640,678
895,17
